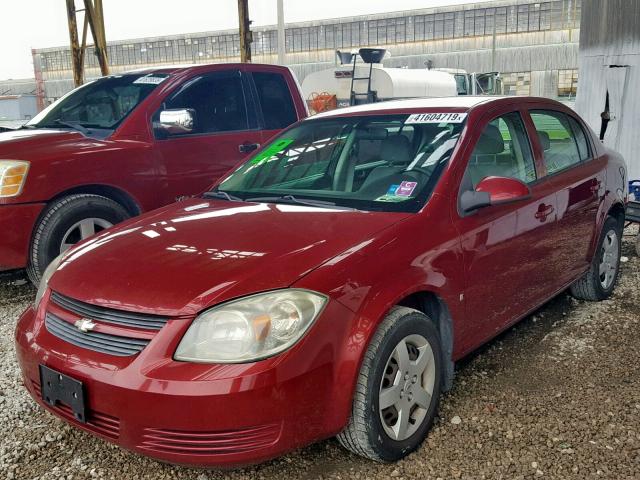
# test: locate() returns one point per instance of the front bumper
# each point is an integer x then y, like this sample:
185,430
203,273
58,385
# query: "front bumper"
194,414
16,225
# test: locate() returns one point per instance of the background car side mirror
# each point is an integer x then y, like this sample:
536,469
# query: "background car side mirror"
494,191
177,121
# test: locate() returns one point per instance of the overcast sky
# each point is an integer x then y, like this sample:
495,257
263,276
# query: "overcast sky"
42,23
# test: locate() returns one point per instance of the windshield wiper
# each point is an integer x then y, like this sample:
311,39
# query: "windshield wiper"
221,195
298,201
75,126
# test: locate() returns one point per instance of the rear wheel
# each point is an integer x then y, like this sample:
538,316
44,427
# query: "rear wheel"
599,281
398,388
65,222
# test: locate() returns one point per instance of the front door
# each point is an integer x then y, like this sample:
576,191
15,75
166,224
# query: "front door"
225,131
508,249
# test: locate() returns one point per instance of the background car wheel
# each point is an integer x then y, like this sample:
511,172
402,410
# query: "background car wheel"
65,222
600,280
398,388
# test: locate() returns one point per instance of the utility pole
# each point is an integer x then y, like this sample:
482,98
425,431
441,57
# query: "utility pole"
76,51
245,31
95,15
281,39
93,19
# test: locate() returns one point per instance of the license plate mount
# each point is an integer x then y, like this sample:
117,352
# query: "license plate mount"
57,388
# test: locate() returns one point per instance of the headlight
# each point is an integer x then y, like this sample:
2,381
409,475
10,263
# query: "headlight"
13,174
251,328
44,281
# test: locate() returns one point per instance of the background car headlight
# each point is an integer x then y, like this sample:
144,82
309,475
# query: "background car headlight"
44,281
13,174
251,328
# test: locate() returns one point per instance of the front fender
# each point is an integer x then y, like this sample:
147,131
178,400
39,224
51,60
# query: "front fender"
374,278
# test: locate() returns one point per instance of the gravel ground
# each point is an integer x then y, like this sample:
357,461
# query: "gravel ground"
557,396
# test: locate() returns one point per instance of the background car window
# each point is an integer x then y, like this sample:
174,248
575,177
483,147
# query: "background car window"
218,101
103,103
557,140
502,150
581,139
276,100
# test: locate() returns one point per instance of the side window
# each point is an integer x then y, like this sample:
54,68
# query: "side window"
275,99
581,139
502,150
218,100
557,139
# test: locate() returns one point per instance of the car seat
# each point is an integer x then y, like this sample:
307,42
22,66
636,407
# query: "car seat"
396,151
484,159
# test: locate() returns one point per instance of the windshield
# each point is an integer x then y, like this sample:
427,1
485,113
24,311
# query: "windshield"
386,163
103,103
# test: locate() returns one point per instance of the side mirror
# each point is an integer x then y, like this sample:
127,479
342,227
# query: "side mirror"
177,121
494,191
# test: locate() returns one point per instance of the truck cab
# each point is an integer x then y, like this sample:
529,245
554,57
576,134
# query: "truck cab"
128,143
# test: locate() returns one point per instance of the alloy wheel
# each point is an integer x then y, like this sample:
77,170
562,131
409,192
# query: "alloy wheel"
609,259
81,230
406,389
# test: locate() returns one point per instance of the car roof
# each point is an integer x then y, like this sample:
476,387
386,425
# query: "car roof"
463,102
201,66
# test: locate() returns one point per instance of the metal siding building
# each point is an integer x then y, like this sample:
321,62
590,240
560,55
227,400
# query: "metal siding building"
534,44
609,62
17,107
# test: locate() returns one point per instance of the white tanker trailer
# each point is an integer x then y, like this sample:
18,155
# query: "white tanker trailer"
354,83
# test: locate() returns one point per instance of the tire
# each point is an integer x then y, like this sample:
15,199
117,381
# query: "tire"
592,285
369,434
59,217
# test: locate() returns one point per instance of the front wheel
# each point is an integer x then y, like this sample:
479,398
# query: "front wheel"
398,388
600,280
65,222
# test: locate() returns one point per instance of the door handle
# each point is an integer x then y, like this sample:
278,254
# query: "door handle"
247,147
544,211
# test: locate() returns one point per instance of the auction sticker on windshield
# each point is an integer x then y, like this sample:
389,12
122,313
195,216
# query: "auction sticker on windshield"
150,80
436,118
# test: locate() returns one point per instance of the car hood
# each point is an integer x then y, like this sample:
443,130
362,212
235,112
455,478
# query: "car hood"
185,257
26,144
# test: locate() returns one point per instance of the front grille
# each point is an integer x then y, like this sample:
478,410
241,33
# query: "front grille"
99,342
210,443
109,315
97,422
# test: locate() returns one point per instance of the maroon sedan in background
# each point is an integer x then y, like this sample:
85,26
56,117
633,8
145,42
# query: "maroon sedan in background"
328,285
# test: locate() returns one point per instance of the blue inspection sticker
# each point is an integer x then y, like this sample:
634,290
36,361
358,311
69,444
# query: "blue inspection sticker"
392,189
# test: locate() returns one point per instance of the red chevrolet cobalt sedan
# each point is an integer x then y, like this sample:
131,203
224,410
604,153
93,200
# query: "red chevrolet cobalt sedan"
326,286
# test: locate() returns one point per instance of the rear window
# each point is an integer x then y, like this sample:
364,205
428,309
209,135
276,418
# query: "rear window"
557,139
275,99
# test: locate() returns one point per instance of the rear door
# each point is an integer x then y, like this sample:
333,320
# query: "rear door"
579,179
273,95
226,129
509,250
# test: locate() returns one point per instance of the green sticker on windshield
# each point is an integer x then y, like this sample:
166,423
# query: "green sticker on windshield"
271,150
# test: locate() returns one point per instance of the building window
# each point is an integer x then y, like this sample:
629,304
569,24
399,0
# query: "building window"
517,83
567,83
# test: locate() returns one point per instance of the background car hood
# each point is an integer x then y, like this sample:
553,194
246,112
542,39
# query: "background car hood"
25,144
185,257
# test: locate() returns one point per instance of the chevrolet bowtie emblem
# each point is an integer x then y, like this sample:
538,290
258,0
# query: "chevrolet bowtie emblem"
85,325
